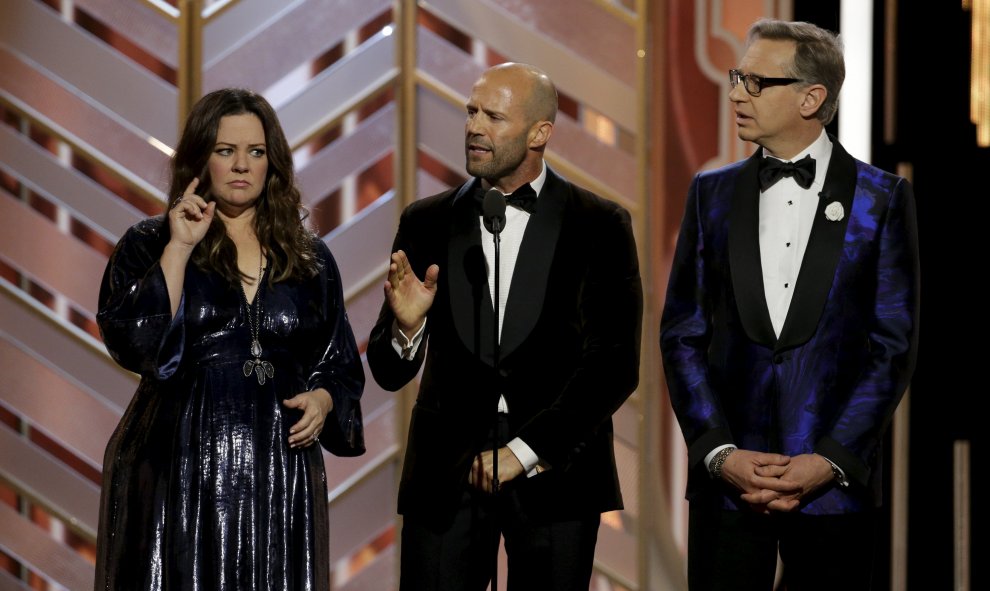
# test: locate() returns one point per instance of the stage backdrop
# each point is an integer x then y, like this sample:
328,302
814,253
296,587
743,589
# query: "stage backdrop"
371,94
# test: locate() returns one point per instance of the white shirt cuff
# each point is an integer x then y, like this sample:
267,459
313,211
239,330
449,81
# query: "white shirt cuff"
526,456
406,347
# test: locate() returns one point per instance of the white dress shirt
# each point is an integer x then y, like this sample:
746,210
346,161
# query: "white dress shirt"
786,214
511,237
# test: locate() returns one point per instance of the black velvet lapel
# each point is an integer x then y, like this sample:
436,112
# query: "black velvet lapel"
822,255
470,301
529,278
744,255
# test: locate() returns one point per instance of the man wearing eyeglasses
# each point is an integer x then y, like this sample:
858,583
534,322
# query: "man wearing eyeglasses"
789,331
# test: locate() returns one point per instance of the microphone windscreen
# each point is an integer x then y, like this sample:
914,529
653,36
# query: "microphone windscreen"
492,209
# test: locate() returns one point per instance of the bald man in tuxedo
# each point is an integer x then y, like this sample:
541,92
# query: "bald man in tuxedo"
570,307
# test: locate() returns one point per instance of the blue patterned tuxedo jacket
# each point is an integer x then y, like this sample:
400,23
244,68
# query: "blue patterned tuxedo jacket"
831,381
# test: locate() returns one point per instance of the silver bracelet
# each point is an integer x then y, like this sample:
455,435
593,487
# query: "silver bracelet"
715,466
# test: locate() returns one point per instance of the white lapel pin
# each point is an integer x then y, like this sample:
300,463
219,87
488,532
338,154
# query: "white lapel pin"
834,212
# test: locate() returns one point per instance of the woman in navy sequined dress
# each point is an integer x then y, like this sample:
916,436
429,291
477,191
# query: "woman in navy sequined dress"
233,314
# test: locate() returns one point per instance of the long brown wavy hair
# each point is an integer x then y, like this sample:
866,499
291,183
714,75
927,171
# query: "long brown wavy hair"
279,213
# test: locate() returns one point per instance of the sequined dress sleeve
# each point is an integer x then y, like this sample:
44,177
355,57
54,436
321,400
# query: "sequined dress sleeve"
338,368
135,317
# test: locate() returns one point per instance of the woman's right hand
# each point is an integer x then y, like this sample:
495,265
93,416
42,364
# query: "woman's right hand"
190,217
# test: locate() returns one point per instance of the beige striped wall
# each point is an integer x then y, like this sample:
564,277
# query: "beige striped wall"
370,93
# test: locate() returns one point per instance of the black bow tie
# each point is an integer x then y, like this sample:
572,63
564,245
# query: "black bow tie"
524,198
772,170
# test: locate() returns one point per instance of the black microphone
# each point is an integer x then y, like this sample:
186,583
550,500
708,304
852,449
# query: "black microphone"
493,210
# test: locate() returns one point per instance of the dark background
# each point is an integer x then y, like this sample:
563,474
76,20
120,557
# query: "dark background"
935,135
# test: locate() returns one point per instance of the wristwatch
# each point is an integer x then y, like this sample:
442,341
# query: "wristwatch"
838,474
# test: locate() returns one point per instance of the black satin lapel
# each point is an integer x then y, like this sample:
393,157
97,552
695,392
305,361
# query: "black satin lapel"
822,254
470,301
529,278
744,255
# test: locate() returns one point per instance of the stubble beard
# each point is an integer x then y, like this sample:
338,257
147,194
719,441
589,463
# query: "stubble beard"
502,163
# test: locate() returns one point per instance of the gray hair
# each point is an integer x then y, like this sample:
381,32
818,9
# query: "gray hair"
818,57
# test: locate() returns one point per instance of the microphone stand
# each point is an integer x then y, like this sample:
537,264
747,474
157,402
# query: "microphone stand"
494,215
497,238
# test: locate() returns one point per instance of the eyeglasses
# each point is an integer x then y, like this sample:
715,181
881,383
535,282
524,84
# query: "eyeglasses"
754,84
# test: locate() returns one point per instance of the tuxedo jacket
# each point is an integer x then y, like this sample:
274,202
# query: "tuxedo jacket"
569,350
831,381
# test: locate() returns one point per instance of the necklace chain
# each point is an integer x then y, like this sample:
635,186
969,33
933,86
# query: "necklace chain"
257,366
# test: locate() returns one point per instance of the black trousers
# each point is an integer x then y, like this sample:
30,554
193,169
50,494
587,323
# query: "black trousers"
737,550
543,554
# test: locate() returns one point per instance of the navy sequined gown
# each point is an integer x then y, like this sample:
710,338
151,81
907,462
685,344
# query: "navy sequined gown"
200,487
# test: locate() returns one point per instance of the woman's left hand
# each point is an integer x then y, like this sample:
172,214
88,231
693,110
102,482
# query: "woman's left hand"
316,405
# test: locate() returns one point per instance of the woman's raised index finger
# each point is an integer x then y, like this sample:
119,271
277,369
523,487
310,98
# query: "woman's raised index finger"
191,188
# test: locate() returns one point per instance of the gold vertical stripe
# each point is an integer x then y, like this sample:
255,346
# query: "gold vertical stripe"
406,166
974,67
981,18
979,106
406,160
900,455
647,378
900,471
961,514
190,71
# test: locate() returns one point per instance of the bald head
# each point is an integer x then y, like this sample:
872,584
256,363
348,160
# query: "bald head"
510,116
531,84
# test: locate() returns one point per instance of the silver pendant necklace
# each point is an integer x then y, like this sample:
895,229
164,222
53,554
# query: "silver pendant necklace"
260,368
